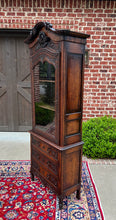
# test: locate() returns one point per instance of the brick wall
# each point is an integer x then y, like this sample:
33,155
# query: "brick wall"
94,17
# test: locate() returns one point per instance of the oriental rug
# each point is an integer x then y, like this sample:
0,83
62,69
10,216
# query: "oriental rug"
20,198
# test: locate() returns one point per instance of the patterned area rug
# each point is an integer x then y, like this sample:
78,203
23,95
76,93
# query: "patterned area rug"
20,198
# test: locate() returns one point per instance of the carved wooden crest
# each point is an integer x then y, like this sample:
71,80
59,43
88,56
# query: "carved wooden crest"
43,39
37,30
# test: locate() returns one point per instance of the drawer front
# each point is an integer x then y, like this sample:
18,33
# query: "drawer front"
42,159
46,148
44,173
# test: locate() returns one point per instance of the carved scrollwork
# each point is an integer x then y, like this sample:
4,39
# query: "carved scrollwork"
42,40
44,56
38,147
52,152
45,41
35,31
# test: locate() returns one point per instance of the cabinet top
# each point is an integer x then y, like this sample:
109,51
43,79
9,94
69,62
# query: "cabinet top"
47,27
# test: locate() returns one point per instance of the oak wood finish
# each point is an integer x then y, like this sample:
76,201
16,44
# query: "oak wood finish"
56,157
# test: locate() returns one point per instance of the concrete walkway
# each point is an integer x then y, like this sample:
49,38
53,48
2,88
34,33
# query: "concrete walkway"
16,146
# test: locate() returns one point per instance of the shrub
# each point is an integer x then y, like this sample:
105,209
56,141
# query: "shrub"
99,136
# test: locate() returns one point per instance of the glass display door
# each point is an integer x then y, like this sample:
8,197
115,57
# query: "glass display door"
44,85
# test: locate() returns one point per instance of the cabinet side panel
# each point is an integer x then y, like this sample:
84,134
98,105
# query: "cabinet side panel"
71,167
74,67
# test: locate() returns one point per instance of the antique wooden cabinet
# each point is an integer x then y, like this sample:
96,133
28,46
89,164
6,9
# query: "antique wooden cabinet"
57,61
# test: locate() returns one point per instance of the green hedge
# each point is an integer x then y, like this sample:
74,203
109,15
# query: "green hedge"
99,136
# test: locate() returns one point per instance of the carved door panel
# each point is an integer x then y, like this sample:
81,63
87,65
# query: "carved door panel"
15,94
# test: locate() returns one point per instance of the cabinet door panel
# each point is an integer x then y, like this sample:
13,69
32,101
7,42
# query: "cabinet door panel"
74,69
72,127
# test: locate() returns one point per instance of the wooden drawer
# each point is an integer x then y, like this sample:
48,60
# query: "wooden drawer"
44,160
47,149
38,169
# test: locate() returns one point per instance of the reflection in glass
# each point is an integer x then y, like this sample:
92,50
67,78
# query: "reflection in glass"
45,107
46,71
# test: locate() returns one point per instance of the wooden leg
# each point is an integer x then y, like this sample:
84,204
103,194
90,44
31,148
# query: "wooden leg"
60,202
32,176
78,194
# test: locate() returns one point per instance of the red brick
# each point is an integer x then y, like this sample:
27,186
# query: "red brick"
21,3
10,13
38,3
113,46
112,15
78,4
51,14
71,15
98,11
1,20
97,19
48,9
99,32
42,3
99,41
46,4
88,19
61,14
78,10
92,15
101,15
105,37
111,24
97,66
108,58
41,14
31,14
108,11
2,3
95,45
2,13
107,19
6,3
58,3
88,11
20,14
112,4
75,3
91,24
27,9
95,90
10,3
57,10
54,3
91,108
109,41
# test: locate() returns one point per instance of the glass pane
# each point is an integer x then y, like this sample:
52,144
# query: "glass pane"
45,103
46,71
